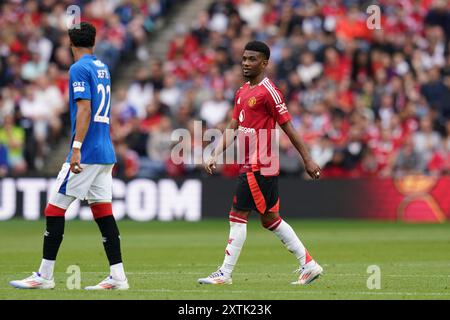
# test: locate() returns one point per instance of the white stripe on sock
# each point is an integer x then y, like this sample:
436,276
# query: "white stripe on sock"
237,218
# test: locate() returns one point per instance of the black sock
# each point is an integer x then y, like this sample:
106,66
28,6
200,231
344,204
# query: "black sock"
111,238
53,237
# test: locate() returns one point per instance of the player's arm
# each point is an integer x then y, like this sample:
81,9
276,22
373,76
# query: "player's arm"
277,106
311,167
226,139
82,126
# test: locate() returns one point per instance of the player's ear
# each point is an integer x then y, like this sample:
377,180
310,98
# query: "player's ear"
265,62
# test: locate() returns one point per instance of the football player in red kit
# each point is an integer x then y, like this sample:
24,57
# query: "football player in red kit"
259,106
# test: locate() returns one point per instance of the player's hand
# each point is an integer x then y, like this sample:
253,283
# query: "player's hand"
313,169
75,159
210,165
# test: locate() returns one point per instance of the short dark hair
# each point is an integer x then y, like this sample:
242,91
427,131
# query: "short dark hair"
258,46
82,35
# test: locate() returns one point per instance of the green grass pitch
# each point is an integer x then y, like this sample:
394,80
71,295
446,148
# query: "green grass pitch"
164,260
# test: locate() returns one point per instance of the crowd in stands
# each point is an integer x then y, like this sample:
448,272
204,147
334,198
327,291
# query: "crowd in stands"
35,58
366,102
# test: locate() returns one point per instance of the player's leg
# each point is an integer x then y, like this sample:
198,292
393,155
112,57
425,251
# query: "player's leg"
107,225
238,217
271,220
309,269
99,198
238,234
53,236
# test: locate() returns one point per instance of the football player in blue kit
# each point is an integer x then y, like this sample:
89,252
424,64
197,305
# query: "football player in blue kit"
87,172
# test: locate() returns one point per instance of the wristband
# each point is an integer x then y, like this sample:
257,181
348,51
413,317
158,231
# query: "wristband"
77,145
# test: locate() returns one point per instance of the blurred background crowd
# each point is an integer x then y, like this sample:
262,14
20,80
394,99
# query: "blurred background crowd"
35,58
366,102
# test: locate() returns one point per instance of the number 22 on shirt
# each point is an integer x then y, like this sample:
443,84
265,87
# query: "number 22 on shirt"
105,96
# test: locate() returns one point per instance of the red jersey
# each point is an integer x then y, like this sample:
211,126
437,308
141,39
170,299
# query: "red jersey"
258,109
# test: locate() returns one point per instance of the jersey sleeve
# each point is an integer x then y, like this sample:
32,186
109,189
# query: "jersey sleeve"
80,83
237,106
276,105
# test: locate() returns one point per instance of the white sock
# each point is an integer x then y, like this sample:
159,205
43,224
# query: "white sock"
46,269
117,271
238,234
289,238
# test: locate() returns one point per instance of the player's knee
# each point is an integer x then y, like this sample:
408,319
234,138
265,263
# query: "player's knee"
101,209
238,217
54,211
58,205
271,223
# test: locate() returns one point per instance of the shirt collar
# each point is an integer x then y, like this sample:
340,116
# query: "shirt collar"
88,56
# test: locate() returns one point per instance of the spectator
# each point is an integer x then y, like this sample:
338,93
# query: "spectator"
112,42
121,109
36,110
159,146
6,107
50,97
214,111
34,68
12,138
309,69
156,110
140,93
408,160
322,151
127,165
426,140
171,93
252,12
201,31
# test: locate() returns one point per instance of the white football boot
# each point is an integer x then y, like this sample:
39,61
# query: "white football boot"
308,273
217,277
35,281
110,284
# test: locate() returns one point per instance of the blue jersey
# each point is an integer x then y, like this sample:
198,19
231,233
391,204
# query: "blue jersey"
90,80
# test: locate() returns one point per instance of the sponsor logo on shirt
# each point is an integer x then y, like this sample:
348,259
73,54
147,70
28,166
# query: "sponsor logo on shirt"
246,130
78,86
241,116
